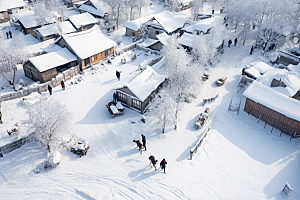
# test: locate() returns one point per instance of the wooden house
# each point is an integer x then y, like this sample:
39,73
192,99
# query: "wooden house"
89,46
164,22
95,8
274,108
141,90
54,30
83,21
27,22
133,27
8,7
45,67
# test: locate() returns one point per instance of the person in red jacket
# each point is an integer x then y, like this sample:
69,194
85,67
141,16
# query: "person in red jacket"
62,85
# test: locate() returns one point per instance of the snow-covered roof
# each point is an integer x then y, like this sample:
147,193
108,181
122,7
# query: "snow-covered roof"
169,22
186,39
136,24
89,42
163,38
202,25
29,19
98,8
145,83
52,60
83,19
51,29
71,13
148,42
258,69
52,48
274,100
290,79
9,4
37,48
294,68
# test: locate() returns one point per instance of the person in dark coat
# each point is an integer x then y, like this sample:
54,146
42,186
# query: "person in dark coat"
10,34
62,85
118,74
163,165
144,141
251,51
229,43
235,41
115,97
7,35
50,89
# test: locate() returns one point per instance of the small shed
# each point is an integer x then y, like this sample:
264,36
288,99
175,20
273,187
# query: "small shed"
141,90
45,67
274,108
89,46
133,27
94,7
54,30
83,21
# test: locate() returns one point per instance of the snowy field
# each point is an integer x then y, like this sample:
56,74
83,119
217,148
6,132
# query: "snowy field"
239,158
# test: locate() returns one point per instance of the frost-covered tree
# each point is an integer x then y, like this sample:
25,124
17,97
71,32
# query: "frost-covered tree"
11,54
117,11
48,11
51,122
197,5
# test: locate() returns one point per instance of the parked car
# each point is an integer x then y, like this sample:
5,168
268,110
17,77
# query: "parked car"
221,81
205,77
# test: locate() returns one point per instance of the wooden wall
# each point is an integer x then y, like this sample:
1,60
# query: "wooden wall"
273,118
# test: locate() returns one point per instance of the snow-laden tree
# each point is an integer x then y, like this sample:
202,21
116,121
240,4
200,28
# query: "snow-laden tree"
197,5
48,11
51,122
11,54
117,11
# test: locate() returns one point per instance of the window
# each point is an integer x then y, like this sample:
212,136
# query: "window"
86,61
137,104
96,57
107,53
92,59
122,97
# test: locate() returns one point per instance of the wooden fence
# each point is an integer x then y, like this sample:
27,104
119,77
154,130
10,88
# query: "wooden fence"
198,144
15,145
66,75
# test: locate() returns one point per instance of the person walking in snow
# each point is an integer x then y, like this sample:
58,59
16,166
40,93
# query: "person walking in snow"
229,43
144,141
213,12
115,97
50,89
7,35
235,41
10,34
153,161
62,85
163,165
118,74
251,51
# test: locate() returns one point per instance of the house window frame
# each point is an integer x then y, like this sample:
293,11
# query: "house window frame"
137,104
106,53
122,97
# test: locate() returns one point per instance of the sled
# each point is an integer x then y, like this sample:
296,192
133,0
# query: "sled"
202,119
221,81
115,109
210,99
205,77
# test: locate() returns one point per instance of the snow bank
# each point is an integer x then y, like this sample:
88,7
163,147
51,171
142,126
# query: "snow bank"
274,100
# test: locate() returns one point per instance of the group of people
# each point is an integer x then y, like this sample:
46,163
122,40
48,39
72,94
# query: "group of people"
8,34
235,42
62,83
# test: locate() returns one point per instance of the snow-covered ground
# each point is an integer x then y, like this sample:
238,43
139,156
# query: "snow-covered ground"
239,158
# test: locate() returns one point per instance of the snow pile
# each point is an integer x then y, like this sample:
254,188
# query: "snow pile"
88,43
114,109
136,24
54,158
274,100
83,20
145,83
119,106
52,60
32,98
